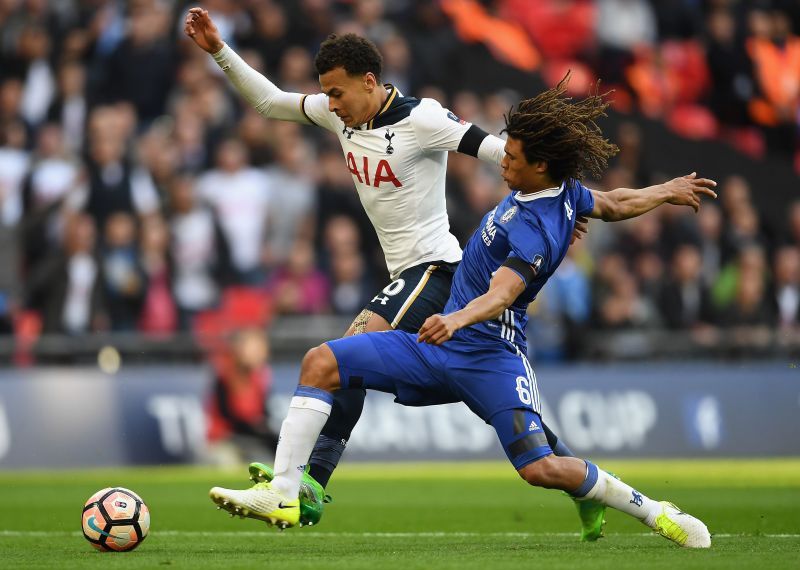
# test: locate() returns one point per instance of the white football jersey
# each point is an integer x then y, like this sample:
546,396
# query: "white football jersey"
398,162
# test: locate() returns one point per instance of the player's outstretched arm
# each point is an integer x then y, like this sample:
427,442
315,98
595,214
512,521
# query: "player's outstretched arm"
505,287
624,203
259,91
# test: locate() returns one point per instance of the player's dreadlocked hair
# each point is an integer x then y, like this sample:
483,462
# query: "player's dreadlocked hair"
562,133
355,54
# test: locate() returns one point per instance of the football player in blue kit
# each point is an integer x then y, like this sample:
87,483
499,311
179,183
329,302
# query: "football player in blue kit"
475,351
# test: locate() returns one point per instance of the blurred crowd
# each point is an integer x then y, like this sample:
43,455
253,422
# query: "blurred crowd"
136,187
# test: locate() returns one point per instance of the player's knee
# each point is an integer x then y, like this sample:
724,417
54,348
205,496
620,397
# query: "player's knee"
544,472
319,369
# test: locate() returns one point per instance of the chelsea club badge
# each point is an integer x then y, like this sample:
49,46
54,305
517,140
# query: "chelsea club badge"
508,215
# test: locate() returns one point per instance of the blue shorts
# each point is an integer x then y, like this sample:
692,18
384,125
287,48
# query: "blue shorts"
494,381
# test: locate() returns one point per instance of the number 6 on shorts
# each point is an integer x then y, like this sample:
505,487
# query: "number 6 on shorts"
524,390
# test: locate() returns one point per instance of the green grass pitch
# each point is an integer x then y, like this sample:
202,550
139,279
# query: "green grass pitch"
445,515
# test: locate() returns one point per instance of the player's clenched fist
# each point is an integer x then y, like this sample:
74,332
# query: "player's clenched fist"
199,26
436,329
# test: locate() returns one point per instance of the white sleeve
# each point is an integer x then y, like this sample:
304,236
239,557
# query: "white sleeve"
436,127
264,96
439,129
315,108
492,150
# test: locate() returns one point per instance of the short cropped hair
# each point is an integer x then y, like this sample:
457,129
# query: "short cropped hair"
355,54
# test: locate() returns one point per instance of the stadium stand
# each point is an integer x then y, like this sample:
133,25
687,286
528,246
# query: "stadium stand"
136,187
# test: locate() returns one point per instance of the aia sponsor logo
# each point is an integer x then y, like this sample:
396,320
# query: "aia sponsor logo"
365,175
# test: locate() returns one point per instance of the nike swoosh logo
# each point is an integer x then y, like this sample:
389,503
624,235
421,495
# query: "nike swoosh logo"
93,525
282,506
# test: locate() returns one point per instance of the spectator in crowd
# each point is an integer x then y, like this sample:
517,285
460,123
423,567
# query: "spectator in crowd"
561,312
70,108
750,264
238,422
14,164
11,104
158,156
54,172
622,27
113,183
241,198
340,234
340,217
298,287
648,269
158,315
144,57
369,15
775,54
39,83
9,278
625,307
495,108
785,292
734,194
259,137
731,69
189,137
397,66
750,317
122,273
293,202
431,40
640,236
67,288
270,39
465,196
296,70
686,299
351,286
631,153
198,250
742,230
709,225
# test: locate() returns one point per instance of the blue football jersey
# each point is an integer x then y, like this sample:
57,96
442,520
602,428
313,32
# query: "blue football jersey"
535,228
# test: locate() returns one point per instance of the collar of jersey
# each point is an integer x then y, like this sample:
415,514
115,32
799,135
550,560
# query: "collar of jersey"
548,193
394,94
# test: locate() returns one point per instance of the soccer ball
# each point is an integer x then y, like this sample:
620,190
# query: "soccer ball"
116,519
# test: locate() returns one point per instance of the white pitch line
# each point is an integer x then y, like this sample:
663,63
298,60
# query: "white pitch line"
267,533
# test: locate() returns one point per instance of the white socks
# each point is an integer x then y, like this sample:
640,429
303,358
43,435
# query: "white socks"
621,496
308,412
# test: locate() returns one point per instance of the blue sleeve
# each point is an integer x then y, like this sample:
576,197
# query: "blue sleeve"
584,201
529,245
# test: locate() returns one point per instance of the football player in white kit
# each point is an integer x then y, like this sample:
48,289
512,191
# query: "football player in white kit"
396,150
